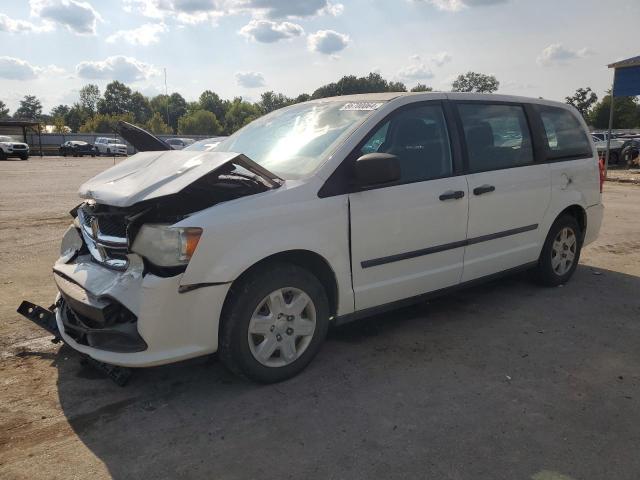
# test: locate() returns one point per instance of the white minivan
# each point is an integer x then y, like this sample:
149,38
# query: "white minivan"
319,213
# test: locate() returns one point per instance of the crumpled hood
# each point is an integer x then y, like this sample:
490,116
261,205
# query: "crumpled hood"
148,175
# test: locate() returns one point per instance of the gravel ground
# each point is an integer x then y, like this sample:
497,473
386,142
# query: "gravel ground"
503,381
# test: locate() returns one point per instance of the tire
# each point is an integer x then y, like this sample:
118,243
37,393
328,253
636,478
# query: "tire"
614,158
3,156
108,151
553,269
249,309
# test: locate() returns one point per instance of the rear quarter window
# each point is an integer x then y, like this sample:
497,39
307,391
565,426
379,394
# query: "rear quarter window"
564,135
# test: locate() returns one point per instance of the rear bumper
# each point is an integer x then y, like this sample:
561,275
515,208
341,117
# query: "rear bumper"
594,222
166,325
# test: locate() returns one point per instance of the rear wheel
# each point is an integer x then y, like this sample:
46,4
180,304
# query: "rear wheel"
274,323
561,252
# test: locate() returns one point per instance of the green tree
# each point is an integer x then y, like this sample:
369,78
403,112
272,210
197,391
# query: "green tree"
101,123
303,97
201,122
626,113
583,100
421,87
76,117
59,125
177,107
239,114
60,111
475,82
4,110
270,101
30,108
350,84
89,97
211,102
140,108
156,125
116,100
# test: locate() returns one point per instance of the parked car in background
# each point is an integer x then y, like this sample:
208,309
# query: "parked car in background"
9,147
110,146
324,211
77,148
179,143
623,151
204,145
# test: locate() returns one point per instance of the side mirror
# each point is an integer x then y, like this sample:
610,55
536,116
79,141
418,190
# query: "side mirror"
376,169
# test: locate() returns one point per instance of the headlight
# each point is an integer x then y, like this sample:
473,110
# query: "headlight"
166,246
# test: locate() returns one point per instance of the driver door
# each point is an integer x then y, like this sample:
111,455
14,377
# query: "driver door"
408,238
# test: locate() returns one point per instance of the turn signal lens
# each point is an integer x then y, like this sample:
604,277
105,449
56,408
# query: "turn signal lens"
190,239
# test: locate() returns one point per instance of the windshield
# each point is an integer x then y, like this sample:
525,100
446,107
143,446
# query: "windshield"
294,141
111,140
204,145
6,138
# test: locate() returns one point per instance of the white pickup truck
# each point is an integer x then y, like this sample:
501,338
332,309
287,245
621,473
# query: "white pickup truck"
11,148
110,146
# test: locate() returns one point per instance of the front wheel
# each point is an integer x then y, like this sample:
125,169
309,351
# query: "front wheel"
561,252
274,323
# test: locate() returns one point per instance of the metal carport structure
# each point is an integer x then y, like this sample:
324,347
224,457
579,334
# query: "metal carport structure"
626,83
9,127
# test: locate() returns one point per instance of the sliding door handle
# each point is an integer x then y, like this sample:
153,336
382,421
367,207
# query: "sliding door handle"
452,195
482,189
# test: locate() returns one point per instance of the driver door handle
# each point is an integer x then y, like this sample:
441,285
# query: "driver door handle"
482,189
452,195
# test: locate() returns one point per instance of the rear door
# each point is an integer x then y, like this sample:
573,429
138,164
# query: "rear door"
408,238
509,192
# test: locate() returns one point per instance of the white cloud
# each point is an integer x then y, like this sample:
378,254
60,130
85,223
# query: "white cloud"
416,71
118,67
196,11
327,41
13,68
266,31
76,16
289,8
441,58
184,11
11,25
457,5
144,35
17,69
250,79
556,53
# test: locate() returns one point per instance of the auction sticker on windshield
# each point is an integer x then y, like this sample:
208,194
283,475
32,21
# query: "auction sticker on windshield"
362,106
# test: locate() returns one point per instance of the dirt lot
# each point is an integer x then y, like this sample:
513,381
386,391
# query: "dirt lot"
504,381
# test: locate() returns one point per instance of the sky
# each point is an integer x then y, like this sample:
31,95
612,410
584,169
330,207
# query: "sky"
537,48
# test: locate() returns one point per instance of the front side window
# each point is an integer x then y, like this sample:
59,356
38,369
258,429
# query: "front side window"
497,136
565,136
294,141
418,137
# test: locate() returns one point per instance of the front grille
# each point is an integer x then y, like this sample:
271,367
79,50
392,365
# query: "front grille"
20,147
106,238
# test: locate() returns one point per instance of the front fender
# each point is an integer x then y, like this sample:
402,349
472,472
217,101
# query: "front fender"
238,235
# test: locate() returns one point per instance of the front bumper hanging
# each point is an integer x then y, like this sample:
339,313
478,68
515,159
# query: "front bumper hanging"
46,319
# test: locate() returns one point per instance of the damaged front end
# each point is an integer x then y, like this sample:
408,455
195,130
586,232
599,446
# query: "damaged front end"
119,274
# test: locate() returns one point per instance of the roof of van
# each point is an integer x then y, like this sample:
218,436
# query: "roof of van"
389,96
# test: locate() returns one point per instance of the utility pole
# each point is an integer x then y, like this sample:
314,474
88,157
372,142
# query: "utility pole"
166,94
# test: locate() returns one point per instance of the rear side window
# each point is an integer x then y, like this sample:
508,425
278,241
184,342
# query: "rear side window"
565,136
497,136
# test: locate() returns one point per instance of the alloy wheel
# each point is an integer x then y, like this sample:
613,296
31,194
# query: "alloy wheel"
563,251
